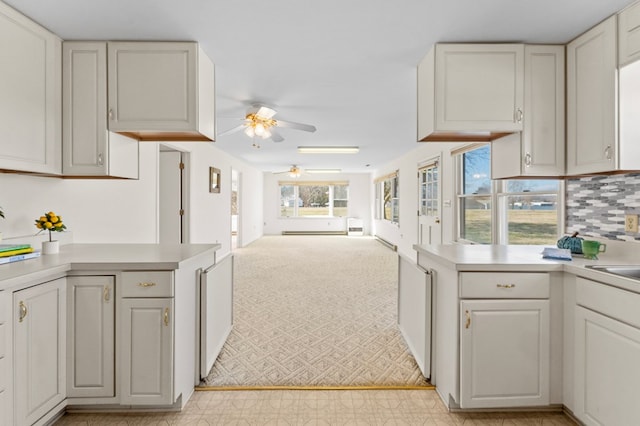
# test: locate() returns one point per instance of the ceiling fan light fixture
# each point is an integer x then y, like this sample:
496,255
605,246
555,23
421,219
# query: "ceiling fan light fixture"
328,150
249,131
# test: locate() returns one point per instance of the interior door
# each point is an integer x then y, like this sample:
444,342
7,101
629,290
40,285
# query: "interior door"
429,187
170,199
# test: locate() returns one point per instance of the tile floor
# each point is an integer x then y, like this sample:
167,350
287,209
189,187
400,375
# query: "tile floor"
317,407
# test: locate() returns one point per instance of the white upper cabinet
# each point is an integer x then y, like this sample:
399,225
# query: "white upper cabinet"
161,91
30,123
602,105
470,92
539,150
591,100
629,34
89,149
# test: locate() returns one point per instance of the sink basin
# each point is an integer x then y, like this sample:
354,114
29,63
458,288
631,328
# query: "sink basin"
624,271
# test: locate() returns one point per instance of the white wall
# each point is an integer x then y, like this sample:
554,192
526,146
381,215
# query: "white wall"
359,204
126,211
405,235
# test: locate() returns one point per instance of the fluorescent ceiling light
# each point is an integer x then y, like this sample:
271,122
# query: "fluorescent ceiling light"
319,171
328,149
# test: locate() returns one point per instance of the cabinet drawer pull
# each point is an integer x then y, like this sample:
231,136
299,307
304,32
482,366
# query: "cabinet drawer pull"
468,316
110,113
527,160
505,285
23,311
107,293
607,152
518,115
166,317
147,284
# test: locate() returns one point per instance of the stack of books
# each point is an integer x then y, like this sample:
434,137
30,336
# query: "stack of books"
15,252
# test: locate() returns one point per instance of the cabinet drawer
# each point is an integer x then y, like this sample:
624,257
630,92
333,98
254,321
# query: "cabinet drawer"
610,301
504,285
147,284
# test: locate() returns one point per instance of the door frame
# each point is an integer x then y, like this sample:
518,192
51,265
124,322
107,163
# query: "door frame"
184,189
435,160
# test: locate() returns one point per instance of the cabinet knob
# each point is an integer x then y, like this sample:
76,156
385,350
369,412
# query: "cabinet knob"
527,160
518,115
110,113
23,311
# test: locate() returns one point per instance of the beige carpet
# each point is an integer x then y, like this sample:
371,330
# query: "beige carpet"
315,311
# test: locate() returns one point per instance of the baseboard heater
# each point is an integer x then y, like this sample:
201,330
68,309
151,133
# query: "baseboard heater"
386,243
314,232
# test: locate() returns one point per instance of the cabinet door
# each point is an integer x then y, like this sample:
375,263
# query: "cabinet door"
30,113
89,149
84,104
6,408
504,353
591,100
629,35
90,336
39,327
152,86
147,351
479,87
606,370
543,138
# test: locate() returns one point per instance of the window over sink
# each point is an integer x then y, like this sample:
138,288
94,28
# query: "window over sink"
503,211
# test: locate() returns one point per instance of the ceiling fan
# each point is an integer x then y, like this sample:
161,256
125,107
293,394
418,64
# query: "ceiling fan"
294,171
259,122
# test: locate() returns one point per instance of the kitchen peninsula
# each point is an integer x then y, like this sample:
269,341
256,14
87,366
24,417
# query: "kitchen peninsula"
513,330
100,326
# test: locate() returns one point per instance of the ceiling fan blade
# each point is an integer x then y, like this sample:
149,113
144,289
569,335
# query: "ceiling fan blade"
232,130
298,126
266,113
275,136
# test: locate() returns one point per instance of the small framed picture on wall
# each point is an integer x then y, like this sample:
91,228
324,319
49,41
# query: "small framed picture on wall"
214,180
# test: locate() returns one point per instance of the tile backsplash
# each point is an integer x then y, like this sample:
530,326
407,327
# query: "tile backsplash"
596,205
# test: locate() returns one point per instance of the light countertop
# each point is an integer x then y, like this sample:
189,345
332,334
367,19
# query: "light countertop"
91,257
525,258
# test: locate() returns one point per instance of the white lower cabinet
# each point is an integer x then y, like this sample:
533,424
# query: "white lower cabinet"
90,336
6,408
39,327
607,350
147,351
504,353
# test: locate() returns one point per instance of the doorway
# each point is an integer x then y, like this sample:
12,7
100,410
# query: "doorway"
172,196
429,190
236,240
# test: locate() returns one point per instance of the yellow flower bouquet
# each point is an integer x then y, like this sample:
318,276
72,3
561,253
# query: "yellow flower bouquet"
50,222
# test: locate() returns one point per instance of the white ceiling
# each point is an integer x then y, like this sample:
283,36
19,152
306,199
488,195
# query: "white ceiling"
346,66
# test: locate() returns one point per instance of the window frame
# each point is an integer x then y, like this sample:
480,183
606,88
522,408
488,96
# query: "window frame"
499,212
393,180
330,203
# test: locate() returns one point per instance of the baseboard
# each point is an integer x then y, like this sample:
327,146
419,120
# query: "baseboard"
386,243
312,388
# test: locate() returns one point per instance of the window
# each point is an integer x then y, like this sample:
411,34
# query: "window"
388,198
314,199
504,212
